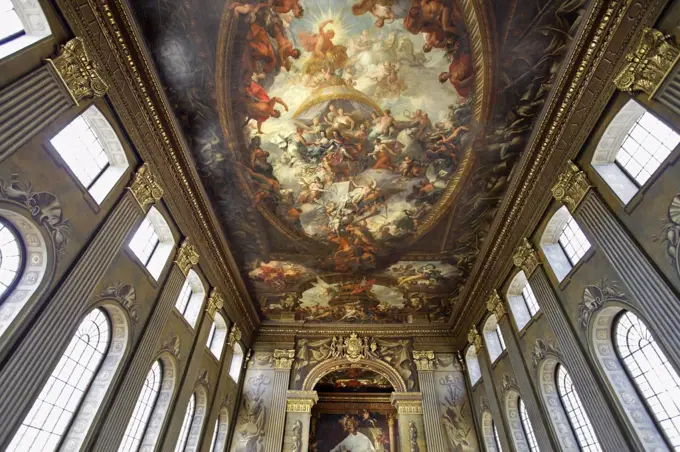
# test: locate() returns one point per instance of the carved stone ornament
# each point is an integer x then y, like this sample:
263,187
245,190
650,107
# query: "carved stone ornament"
484,405
301,401
145,187
354,348
297,437
124,294
541,349
187,257
413,436
283,359
407,402
526,257
495,305
595,296
648,65
670,233
571,187
234,336
215,303
172,346
203,378
424,359
78,71
509,382
475,339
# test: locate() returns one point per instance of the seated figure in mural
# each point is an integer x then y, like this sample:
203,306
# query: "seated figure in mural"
324,51
355,440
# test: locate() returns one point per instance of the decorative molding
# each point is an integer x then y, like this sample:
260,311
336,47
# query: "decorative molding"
353,348
297,436
542,348
172,346
407,402
124,294
484,405
475,339
670,233
424,359
509,382
595,296
571,187
187,257
495,305
215,303
648,65
203,378
234,336
526,257
301,401
77,71
413,436
283,359
44,207
145,187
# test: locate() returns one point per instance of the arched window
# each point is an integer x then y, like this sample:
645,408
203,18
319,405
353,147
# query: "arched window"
526,426
153,242
522,300
91,149
60,399
236,363
489,432
219,443
11,258
493,338
23,23
632,148
655,379
214,435
578,419
143,409
186,424
474,372
218,333
496,438
563,243
191,298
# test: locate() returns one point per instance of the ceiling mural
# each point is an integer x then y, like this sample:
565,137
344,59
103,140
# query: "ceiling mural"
356,151
354,380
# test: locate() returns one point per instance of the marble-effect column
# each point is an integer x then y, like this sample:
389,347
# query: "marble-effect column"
283,361
410,423
434,436
298,420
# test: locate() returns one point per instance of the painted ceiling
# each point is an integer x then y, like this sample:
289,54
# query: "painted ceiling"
356,151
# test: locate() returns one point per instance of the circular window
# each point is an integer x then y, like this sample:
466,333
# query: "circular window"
11,257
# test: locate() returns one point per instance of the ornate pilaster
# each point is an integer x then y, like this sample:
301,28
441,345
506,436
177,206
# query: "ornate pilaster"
434,436
215,303
424,359
234,336
187,257
298,419
475,339
145,187
495,305
571,187
283,361
648,65
409,407
526,257
77,71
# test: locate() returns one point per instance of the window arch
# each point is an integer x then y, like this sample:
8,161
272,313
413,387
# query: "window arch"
489,432
526,426
186,424
573,407
152,243
217,336
516,429
92,150
11,258
23,24
219,442
62,397
522,300
496,438
474,372
200,396
236,362
493,338
563,243
655,379
191,298
632,148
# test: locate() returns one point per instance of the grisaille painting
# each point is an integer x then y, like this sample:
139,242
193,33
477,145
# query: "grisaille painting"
362,431
356,151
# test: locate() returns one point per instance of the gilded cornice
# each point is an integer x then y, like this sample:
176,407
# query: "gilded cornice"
580,93
423,331
407,402
301,401
78,71
136,93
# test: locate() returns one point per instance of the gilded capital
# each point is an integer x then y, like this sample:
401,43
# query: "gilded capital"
301,401
187,257
145,187
407,402
215,302
648,65
234,336
571,187
283,359
495,305
475,339
78,71
424,359
526,257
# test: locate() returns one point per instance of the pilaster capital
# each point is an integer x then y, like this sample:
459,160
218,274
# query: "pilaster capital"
234,336
407,402
215,302
526,257
495,305
301,401
187,256
283,359
649,63
424,359
77,71
571,187
475,339
145,187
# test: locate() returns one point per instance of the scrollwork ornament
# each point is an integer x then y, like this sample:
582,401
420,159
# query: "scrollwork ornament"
124,294
187,257
543,347
283,359
78,71
424,359
234,336
203,378
215,303
571,187
475,339
648,65
595,296
145,187
509,382
172,346
495,305
526,257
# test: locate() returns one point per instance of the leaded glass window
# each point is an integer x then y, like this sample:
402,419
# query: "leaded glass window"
143,409
573,407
